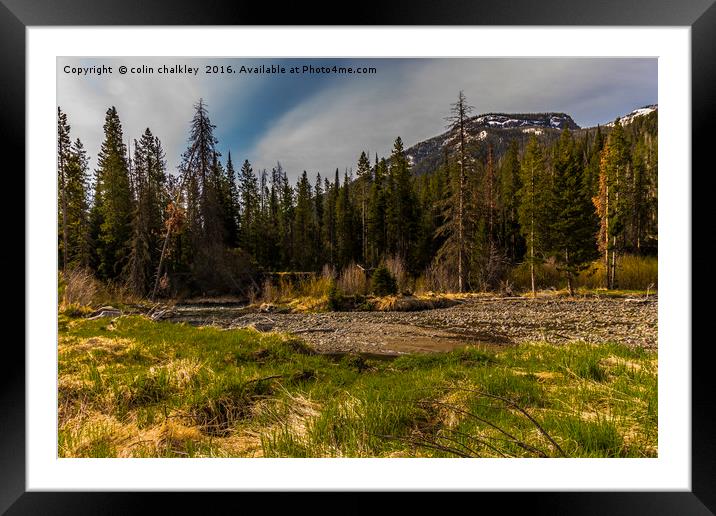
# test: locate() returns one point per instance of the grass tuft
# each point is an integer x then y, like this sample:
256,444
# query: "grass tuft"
138,388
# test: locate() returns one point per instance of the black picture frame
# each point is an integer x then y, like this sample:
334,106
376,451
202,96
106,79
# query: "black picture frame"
700,15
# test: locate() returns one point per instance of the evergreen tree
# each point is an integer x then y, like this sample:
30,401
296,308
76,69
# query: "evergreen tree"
490,196
401,210
574,223
249,195
533,207
232,205
77,204
286,221
594,153
346,242
509,187
222,201
304,225
479,208
610,202
152,200
63,157
364,177
318,209
204,243
273,224
113,204
459,113
377,232
330,211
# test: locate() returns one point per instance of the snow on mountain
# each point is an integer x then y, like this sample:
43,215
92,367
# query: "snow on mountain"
642,111
497,131
505,121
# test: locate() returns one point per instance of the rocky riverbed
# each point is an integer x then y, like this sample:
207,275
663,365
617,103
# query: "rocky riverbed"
491,322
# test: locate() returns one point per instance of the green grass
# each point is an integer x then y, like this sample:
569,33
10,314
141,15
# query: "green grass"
130,387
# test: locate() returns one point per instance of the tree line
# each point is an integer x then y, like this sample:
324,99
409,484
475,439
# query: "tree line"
214,226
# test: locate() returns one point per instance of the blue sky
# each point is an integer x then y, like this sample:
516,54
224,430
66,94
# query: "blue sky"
320,122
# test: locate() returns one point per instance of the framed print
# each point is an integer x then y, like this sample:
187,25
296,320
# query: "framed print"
414,256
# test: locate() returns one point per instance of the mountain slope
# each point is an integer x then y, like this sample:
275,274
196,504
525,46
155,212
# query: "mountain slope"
498,129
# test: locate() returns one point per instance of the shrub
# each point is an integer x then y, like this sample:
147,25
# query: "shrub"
335,297
633,273
637,272
79,287
439,276
396,267
352,281
384,283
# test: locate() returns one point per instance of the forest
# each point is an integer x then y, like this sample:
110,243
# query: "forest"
580,200
484,293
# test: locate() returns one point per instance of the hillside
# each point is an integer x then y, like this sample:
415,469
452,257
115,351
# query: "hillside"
499,129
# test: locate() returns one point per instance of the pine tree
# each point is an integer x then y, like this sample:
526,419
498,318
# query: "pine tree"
63,157
232,205
572,215
509,187
610,202
286,221
272,235
346,243
318,210
304,225
490,196
262,230
330,211
533,207
594,153
204,242
113,203
377,214
149,177
401,209
428,192
364,177
249,195
487,257
222,200
77,203
459,113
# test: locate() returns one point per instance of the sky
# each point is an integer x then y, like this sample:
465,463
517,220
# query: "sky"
322,121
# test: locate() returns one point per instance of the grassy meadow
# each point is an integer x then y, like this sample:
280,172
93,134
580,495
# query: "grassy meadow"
131,387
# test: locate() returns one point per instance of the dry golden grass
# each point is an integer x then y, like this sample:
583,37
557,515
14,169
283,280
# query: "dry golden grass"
156,389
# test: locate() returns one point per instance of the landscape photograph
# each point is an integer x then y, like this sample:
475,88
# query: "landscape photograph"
357,257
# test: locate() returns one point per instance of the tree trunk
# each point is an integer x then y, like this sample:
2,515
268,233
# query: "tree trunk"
461,209
64,215
569,272
365,233
606,241
532,276
532,257
612,282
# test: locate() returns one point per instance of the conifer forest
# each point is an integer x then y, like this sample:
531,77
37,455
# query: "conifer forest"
488,292
575,198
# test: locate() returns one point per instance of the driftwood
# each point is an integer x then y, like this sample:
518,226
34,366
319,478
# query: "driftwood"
314,330
105,311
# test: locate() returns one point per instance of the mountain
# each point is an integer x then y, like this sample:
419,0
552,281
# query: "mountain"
628,119
498,129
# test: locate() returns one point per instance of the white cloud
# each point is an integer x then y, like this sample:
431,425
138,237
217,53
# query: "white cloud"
329,132
164,103
329,129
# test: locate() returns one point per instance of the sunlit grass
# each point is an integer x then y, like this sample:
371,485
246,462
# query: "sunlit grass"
130,387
